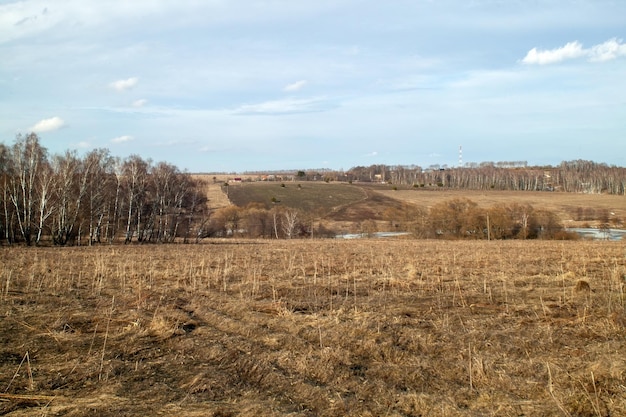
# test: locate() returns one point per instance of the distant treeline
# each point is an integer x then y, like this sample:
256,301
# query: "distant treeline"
578,176
67,199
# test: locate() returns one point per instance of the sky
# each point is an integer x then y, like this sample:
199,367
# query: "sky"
248,85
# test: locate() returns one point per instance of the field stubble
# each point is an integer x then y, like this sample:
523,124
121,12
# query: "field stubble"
303,328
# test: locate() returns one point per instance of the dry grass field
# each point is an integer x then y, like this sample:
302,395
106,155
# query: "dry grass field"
565,205
309,197
315,328
216,198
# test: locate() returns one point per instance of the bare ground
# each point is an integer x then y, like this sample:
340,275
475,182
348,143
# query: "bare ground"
308,328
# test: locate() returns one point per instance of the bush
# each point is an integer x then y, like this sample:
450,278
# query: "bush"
565,235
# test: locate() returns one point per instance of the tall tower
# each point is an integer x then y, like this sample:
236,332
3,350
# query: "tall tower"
460,156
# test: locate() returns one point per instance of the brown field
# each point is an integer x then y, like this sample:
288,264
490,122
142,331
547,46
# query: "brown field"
315,328
309,197
564,205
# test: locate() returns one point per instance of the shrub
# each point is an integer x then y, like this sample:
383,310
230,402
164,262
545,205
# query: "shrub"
565,235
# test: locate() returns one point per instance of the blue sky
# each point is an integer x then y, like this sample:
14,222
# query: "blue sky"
236,85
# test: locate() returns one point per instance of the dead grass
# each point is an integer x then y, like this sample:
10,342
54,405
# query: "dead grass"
309,196
304,328
565,205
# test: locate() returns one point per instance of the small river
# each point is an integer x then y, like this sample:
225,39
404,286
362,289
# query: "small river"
584,232
598,234
373,235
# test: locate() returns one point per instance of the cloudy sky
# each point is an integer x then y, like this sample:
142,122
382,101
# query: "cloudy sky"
236,85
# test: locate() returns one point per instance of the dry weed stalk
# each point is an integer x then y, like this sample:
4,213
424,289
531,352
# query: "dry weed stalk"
7,281
106,336
31,384
551,390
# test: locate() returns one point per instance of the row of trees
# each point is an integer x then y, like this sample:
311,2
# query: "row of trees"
257,221
463,219
67,199
570,176
578,176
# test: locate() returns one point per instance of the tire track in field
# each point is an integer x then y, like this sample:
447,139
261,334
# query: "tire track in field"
251,352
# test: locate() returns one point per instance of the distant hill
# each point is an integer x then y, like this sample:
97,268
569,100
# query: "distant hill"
343,202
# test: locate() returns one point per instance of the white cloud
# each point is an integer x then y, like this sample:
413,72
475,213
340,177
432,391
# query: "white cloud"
285,106
611,49
47,125
122,139
298,85
552,56
123,85
140,103
83,145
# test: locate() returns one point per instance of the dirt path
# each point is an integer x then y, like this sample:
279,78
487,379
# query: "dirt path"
215,195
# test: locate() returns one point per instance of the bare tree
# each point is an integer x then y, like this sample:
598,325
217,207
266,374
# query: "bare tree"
68,195
99,188
275,220
114,206
26,157
7,213
45,186
163,176
135,173
290,222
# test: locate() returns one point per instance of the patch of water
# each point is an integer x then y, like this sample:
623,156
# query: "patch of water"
584,232
599,234
372,235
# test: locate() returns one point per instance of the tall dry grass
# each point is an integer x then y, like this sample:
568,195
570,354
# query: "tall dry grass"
329,328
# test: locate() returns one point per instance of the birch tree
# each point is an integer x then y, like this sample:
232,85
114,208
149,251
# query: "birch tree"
99,189
67,195
135,172
45,187
290,222
26,157
4,195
